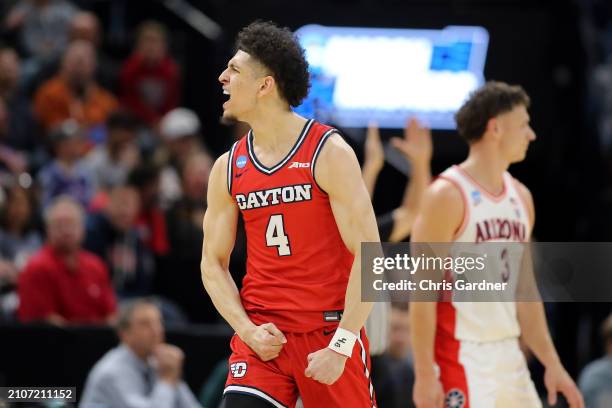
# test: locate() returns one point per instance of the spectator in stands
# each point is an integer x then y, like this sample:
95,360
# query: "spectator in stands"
393,375
111,161
19,237
113,236
74,93
150,78
85,26
184,221
596,378
179,130
42,26
143,371
23,132
63,283
66,174
12,162
151,220
18,241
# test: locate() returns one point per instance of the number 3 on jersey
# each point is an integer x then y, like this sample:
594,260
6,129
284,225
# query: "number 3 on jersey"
275,235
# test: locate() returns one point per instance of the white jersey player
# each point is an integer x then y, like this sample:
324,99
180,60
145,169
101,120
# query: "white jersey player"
467,353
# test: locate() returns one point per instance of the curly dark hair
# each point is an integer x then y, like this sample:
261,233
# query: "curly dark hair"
278,50
490,100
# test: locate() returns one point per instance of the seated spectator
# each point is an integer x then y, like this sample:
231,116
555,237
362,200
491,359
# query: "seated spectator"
63,283
393,375
151,220
74,93
113,236
150,78
23,132
18,241
143,371
42,26
179,130
66,174
19,237
12,162
596,378
85,26
184,221
111,161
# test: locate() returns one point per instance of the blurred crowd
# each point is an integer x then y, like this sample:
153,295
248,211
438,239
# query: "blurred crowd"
102,172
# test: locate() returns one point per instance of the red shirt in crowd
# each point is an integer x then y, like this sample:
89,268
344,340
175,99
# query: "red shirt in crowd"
48,287
150,90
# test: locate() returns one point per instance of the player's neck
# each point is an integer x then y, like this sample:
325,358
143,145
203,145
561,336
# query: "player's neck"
276,131
487,168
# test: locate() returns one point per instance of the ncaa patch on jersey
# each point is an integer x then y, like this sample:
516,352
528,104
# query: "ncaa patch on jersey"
455,398
476,197
241,161
238,369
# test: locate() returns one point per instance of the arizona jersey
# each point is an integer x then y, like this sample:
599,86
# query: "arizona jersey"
297,264
487,218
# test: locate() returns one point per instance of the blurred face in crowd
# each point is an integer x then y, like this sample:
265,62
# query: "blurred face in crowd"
10,69
195,176
69,150
18,209
399,344
123,207
145,330
65,226
241,82
79,64
514,134
119,138
85,26
152,45
149,193
180,148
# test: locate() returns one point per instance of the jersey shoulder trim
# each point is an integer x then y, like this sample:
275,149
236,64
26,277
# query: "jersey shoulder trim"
466,203
317,151
517,185
230,167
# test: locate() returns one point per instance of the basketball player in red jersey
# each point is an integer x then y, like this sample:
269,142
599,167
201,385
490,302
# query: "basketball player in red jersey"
475,344
297,184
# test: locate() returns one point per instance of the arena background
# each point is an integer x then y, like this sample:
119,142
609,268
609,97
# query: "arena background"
551,48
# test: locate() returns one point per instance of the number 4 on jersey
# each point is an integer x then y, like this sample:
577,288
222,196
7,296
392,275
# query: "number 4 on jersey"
275,235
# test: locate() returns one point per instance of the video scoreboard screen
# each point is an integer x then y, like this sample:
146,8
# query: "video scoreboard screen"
387,75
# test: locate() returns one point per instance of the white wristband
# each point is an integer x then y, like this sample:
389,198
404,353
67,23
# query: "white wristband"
343,342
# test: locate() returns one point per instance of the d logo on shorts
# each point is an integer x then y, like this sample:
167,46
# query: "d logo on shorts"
454,399
238,369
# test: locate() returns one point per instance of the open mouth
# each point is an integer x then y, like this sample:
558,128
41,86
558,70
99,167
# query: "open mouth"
226,95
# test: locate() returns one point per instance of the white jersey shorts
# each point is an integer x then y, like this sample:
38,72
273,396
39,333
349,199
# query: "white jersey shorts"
485,375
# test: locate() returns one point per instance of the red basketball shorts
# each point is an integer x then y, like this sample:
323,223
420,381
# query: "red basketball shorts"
281,380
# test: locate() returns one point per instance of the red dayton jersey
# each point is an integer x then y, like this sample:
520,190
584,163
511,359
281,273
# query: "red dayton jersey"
297,264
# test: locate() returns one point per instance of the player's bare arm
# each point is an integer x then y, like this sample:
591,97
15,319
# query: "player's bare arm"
534,331
338,173
440,216
220,223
